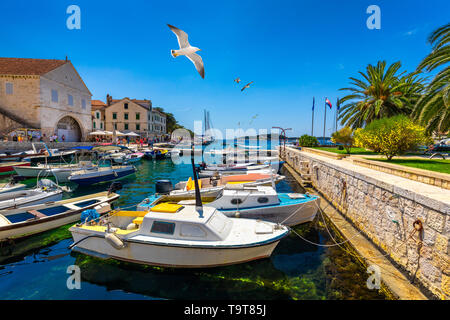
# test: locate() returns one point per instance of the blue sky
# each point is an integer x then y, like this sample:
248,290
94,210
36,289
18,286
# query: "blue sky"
292,50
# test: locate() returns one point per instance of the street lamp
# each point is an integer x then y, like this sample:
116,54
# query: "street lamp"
283,132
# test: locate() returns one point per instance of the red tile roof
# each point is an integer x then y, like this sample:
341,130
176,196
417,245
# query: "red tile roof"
25,66
97,104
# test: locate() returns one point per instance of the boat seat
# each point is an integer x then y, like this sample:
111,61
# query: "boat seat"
166,207
36,213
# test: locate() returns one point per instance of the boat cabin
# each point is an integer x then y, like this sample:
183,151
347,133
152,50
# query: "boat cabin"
171,221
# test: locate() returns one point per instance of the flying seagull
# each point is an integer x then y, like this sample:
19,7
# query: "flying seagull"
187,50
246,86
237,80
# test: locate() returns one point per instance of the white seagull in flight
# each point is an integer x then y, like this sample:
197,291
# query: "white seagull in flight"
187,50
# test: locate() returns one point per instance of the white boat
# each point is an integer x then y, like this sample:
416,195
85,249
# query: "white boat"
129,158
25,221
261,169
61,171
45,191
11,186
101,174
178,236
261,202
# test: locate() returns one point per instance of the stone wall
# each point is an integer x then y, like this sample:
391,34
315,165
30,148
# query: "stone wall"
384,210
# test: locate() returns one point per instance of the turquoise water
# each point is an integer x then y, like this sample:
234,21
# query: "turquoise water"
296,270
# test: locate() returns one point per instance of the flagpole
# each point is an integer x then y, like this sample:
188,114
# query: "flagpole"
324,121
312,121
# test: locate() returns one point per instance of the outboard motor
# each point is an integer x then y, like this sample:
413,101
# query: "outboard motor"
163,186
17,178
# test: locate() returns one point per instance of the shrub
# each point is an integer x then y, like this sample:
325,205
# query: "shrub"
391,136
345,137
308,141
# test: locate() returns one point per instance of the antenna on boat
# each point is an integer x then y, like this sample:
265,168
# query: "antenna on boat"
198,198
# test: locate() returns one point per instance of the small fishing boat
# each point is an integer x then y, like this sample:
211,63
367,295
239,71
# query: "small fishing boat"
51,155
8,167
177,236
157,154
45,191
212,186
261,169
203,167
261,202
60,171
101,174
12,185
21,222
129,158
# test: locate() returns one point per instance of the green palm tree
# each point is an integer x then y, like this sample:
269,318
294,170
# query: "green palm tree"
384,92
433,109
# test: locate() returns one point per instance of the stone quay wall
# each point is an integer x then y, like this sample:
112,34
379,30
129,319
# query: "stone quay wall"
25,146
384,208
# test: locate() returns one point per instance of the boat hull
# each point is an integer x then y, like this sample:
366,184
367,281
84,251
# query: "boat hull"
30,201
35,226
289,215
171,256
6,168
93,178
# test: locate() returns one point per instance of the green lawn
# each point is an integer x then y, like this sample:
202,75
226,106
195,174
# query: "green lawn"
426,164
352,151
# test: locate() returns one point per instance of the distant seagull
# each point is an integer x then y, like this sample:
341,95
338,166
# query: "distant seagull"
246,86
237,80
187,50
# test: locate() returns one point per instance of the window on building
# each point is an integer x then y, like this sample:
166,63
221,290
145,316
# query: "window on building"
138,116
9,88
125,116
83,103
54,96
97,115
125,105
94,124
138,126
114,115
101,125
70,100
126,126
115,126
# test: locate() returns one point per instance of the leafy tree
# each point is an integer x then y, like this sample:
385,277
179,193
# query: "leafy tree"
308,141
383,92
391,136
345,137
433,109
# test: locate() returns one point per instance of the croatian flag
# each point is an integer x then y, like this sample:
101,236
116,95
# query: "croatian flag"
327,102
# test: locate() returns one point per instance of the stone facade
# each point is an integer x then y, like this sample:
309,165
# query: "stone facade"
384,210
125,115
42,100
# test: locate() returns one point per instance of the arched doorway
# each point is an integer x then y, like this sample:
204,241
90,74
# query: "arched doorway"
69,128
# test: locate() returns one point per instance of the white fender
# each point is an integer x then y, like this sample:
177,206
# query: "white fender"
114,241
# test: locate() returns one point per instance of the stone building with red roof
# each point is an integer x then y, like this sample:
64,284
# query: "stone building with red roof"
44,94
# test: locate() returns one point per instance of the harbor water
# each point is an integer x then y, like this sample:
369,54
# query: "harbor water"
297,268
